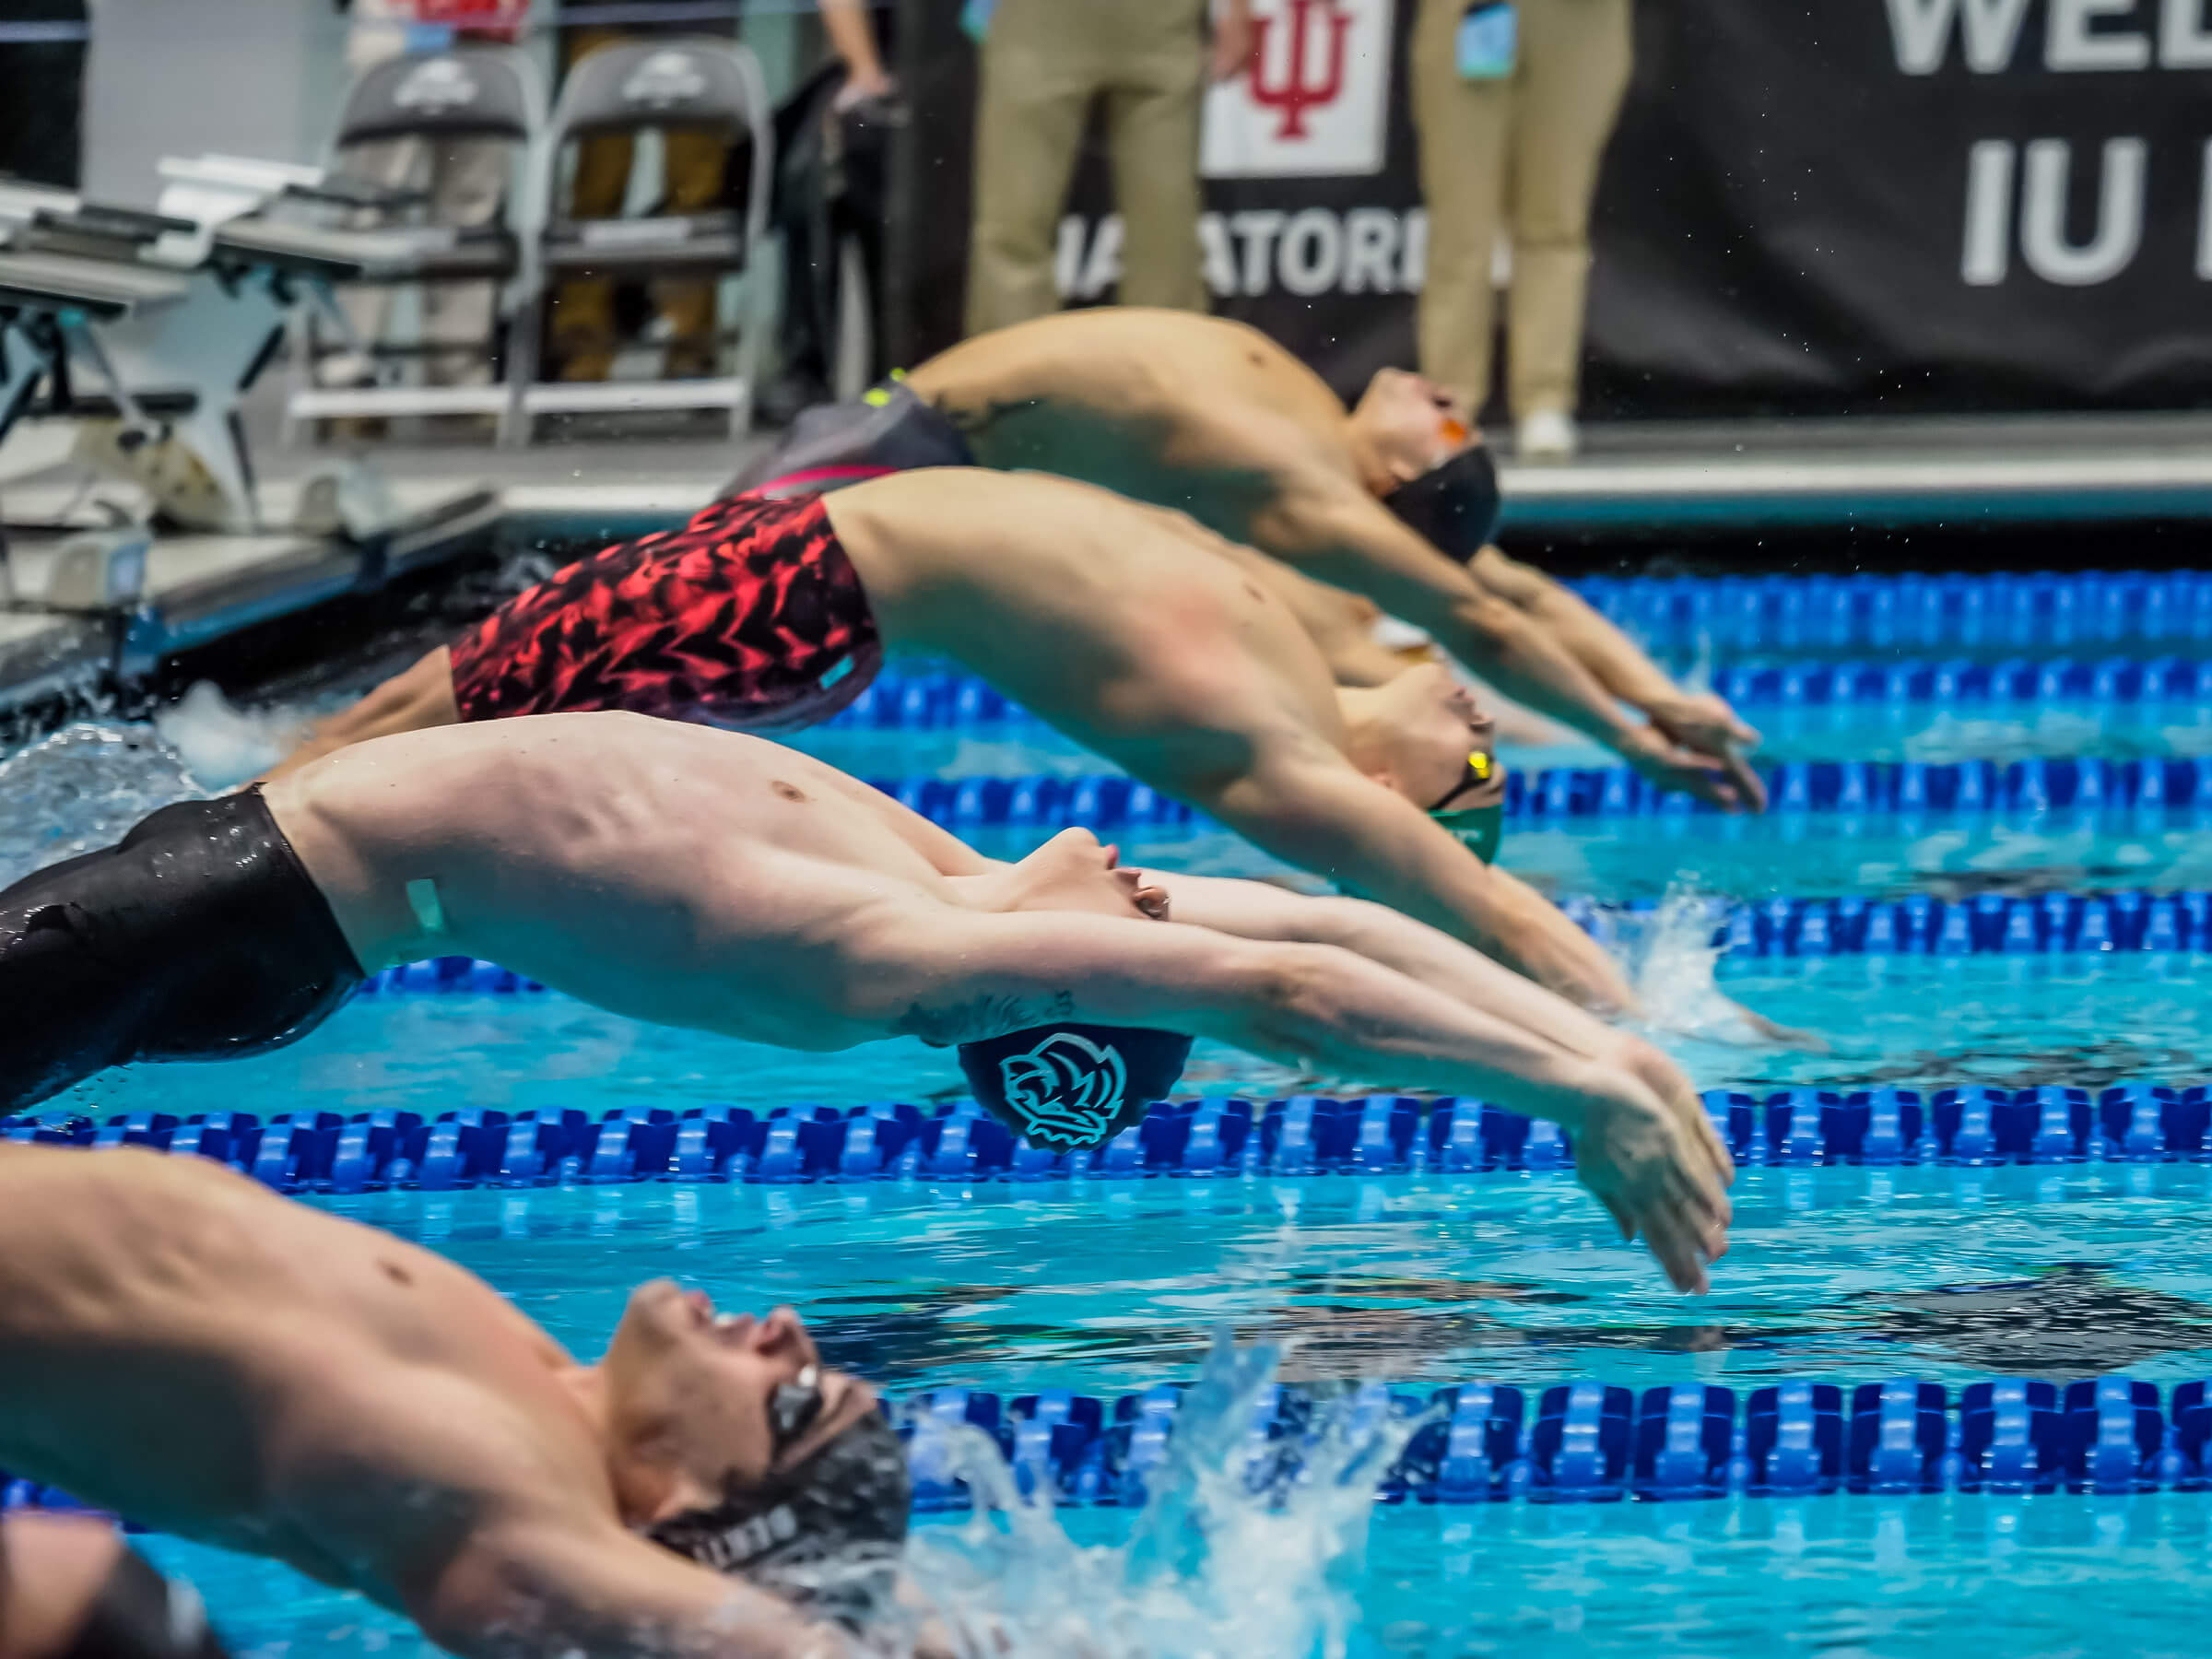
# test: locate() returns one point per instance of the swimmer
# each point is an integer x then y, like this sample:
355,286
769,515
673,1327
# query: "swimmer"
179,1345
1211,416
711,880
1133,630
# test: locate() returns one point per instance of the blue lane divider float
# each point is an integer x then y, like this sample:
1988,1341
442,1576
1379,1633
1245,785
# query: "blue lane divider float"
1587,1442
1557,795
956,1141
1986,925
939,701
2034,611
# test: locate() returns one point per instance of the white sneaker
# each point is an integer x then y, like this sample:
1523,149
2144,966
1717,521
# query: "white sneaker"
1546,435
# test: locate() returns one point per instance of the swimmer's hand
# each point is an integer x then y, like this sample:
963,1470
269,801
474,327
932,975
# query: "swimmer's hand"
1782,1036
1703,725
1660,1171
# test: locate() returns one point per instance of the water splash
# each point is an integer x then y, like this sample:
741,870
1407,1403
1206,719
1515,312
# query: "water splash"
223,745
1247,1547
1671,961
82,789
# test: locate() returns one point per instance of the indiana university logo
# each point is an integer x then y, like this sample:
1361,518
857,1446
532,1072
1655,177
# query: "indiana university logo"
1294,93
1315,96
1067,1089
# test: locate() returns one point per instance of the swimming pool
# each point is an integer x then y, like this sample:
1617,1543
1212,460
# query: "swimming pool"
1855,1275
1946,1274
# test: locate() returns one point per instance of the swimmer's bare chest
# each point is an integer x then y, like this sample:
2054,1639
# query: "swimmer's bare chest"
713,887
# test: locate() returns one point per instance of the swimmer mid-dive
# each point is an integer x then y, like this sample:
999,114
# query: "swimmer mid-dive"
1132,629
181,1346
1212,417
701,879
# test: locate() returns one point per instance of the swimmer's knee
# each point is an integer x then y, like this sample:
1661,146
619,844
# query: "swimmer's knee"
416,699
420,695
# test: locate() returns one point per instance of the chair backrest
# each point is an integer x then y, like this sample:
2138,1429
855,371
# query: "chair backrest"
464,92
688,82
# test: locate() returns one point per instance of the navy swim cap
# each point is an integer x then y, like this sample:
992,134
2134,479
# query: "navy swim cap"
1453,504
826,1534
1073,1086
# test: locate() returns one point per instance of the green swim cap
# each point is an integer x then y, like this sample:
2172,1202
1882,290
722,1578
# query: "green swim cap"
1477,829
1473,810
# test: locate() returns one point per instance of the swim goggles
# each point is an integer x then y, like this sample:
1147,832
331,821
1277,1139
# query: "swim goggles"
1479,825
794,1408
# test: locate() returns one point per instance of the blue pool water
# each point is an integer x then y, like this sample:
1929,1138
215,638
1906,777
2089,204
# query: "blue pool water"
1848,1274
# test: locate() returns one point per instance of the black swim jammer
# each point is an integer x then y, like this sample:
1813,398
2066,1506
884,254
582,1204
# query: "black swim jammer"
197,936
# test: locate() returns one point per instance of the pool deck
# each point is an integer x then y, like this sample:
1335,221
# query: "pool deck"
1670,478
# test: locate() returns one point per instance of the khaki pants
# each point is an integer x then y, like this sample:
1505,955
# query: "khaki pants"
1045,61
583,327
1524,151
467,182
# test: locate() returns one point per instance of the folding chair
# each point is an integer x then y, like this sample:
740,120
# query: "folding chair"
464,93
683,82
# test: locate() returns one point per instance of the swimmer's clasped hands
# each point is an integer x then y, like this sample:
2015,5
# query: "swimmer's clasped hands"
1696,743
1661,1171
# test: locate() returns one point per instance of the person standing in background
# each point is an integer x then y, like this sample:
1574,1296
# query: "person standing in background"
584,333
1513,102
853,37
834,138
1044,62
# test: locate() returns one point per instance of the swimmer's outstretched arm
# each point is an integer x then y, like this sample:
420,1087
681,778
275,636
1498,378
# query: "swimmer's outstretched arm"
522,1590
1257,909
1341,535
953,975
1697,721
1315,810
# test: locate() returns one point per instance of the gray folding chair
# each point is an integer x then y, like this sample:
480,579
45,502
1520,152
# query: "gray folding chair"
491,94
684,82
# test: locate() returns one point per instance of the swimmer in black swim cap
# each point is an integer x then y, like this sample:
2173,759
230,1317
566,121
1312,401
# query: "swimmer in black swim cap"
247,1372
825,1527
1214,419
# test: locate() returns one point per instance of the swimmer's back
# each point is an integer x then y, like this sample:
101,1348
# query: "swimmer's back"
1131,360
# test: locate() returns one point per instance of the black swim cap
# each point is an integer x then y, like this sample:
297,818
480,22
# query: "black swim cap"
1453,504
825,1535
1074,1086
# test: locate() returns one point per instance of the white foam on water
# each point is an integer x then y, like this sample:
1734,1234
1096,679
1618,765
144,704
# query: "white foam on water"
1232,1558
222,744
82,789
1671,961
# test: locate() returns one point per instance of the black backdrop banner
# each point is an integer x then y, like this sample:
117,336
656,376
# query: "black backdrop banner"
1846,205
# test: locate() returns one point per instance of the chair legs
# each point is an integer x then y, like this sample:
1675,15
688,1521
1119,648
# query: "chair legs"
523,354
